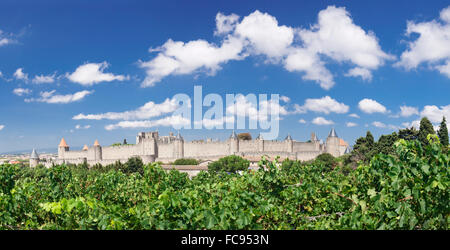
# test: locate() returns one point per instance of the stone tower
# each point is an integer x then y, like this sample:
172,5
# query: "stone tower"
234,143
289,143
179,146
97,151
34,159
332,146
62,148
260,141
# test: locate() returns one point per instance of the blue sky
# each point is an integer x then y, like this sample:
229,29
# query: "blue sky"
59,60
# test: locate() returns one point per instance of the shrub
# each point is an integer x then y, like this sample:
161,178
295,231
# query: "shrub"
327,160
183,161
231,163
133,165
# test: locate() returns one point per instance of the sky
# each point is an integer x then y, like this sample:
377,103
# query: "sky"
106,70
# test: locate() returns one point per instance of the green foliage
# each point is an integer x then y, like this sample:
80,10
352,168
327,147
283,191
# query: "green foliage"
231,164
185,162
116,144
443,132
426,128
133,165
408,134
405,189
327,160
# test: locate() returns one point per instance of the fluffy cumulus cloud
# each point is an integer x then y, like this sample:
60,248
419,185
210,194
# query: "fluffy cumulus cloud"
351,124
406,111
302,121
5,39
179,58
322,121
245,108
435,113
335,36
370,106
20,75
51,97
44,79
2,127
175,120
148,110
92,73
378,124
431,46
21,91
324,105
354,115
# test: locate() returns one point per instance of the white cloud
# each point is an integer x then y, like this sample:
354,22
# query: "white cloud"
370,106
50,97
20,75
435,114
354,115
225,23
431,46
21,91
324,105
244,107
285,99
304,60
179,58
415,124
5,39
177,120
259,34
82,127
212,123
2,127
351,124
302,121
406,111
92,73
378,124
322,121
44,79
149,110
365,74
264,34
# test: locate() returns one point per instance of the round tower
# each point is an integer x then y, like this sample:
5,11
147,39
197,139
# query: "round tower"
234,143
289,143
97,151
179,146
332,146
260,141
63,147
34,159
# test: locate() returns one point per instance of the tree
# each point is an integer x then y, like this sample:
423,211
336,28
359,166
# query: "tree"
408,134
443,132
133,165
363,149
244,136
183,161
385,144
370,140
426,128
231,163
327,160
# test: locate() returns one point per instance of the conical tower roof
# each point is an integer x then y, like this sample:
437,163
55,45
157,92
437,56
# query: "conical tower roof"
233,135
347,150
332,133
85,147
63,143
179,136
34,155
96,143
260,137
288,137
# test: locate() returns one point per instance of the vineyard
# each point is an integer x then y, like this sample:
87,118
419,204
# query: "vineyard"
407,189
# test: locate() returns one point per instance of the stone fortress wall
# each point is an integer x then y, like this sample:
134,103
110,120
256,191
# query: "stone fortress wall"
151,147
